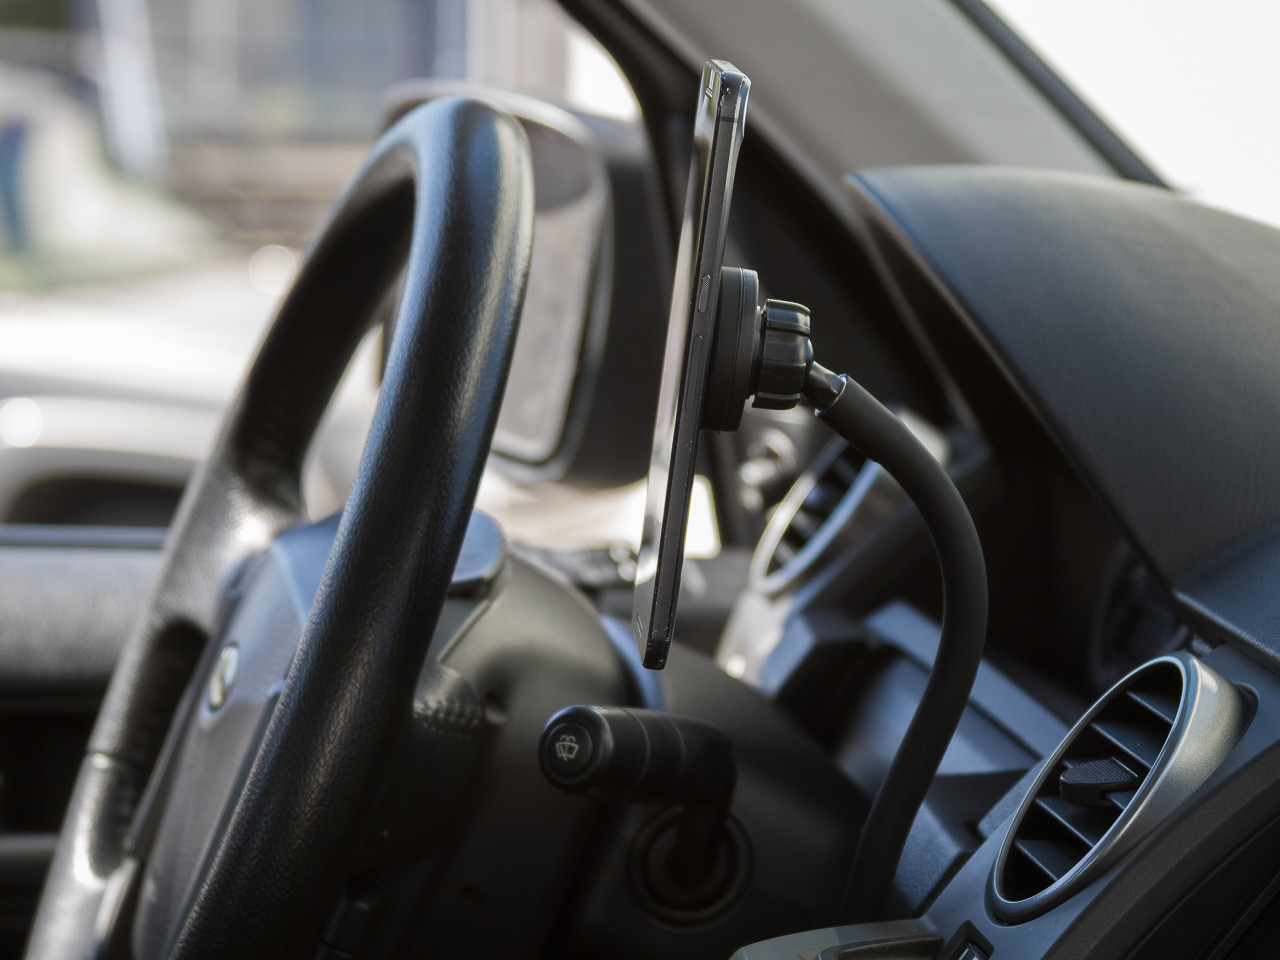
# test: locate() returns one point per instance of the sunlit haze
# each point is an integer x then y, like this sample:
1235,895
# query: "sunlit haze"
1193,86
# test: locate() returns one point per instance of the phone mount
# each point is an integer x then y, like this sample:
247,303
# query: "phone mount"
761,351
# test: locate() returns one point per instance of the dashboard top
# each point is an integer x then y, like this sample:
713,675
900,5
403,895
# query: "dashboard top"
1139,328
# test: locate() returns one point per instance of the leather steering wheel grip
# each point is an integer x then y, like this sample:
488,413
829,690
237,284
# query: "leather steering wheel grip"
449,191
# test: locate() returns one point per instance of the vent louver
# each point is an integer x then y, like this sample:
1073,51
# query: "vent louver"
810,504
839,499
1142,749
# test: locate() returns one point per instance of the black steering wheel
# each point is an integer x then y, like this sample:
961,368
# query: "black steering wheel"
284,791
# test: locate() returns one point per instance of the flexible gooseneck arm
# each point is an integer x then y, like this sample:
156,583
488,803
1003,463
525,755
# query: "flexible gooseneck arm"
867,425
763,351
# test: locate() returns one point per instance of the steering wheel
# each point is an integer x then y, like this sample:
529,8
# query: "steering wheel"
284,790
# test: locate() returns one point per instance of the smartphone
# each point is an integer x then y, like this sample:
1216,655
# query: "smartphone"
717,136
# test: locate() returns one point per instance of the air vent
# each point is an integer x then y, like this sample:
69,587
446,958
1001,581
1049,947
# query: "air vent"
837,500
1138,753
808,506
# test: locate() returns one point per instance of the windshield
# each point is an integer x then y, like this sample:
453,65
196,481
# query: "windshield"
1191,86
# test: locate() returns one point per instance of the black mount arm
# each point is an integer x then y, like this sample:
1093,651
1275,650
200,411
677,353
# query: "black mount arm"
763,351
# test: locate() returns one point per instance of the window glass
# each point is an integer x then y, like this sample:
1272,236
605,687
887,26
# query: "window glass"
1192,86
163,164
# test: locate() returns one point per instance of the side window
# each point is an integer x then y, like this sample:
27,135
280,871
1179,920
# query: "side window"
162,164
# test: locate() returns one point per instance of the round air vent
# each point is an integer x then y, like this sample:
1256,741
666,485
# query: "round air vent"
1139,752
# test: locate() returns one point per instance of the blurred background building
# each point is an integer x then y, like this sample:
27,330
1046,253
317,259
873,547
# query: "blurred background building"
254,114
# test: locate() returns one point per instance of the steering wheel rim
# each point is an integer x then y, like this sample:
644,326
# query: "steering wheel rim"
450,187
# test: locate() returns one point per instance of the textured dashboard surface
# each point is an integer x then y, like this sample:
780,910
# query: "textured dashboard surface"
1143,330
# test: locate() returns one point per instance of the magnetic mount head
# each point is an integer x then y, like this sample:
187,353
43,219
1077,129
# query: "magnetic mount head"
760,350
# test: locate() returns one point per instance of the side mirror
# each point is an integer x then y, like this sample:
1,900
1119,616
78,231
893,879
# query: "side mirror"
588,358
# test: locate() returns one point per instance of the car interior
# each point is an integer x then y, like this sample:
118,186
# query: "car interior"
982,663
